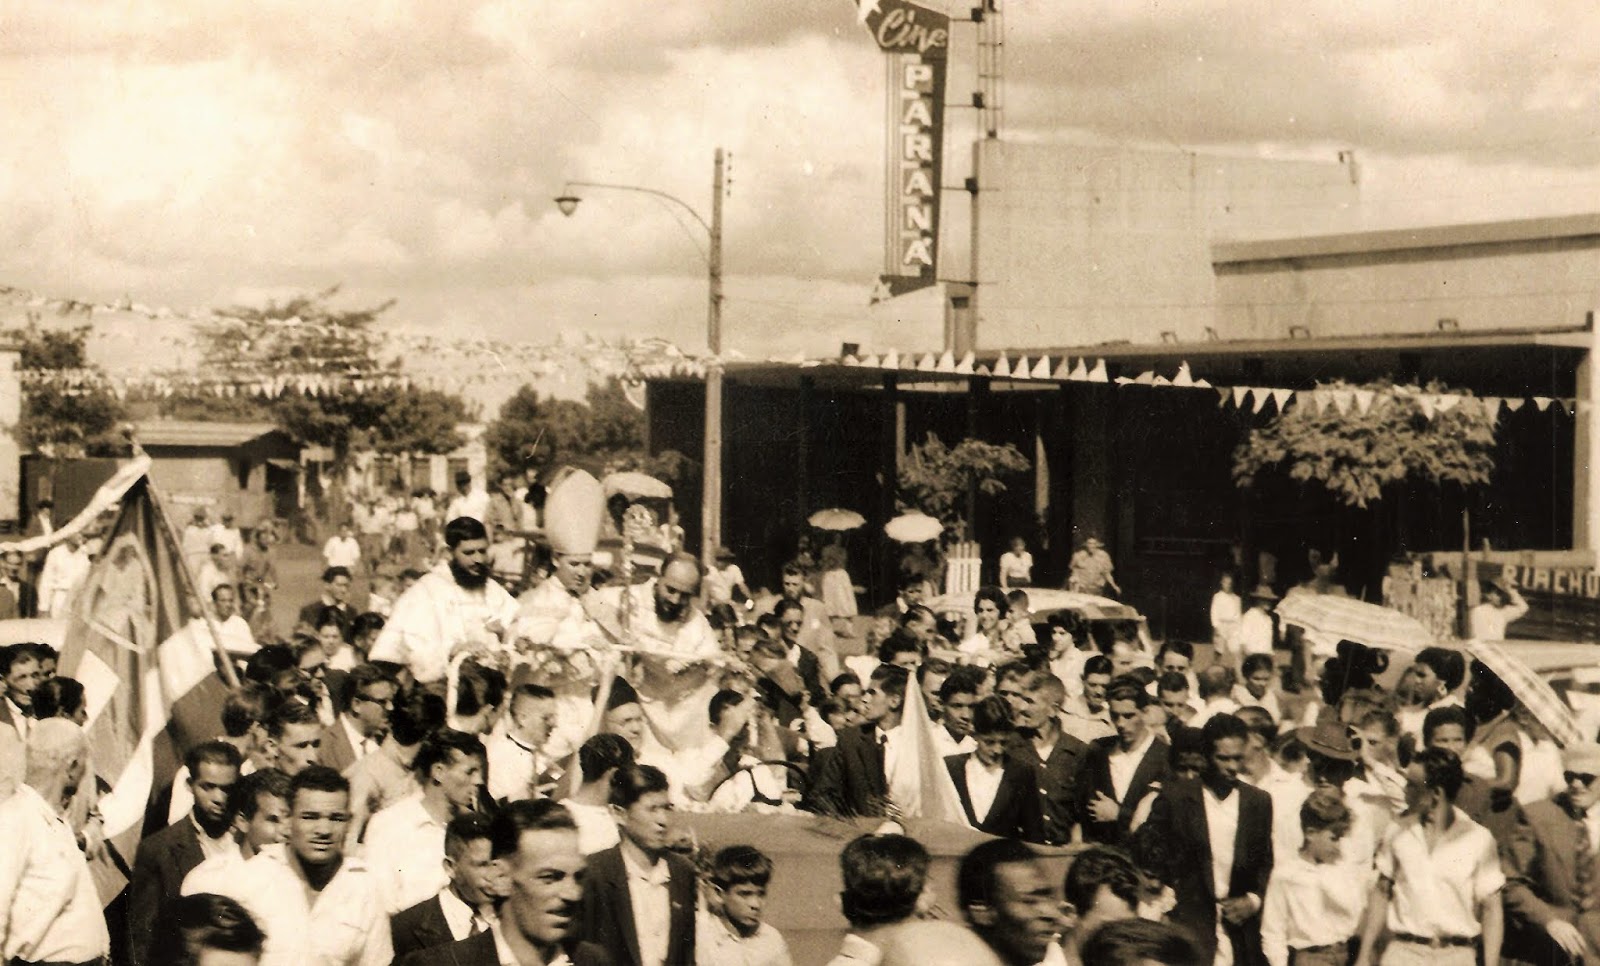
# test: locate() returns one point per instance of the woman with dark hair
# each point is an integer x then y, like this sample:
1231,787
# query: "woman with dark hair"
1495,753
60,698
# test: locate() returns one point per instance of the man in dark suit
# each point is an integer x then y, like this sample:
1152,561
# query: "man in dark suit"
997,792
364,704
335,596
1553,869
640,874
1119,771
163,859
1189,817
464,908
791,615
537,843
19,599
853,780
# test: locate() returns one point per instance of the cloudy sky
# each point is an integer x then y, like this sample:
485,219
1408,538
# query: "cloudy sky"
193,153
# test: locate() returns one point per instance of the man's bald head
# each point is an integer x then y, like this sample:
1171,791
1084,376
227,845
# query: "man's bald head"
677,586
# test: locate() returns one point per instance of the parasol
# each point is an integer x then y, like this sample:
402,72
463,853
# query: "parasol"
914,527
1533,691
636,486
1333,618
836,518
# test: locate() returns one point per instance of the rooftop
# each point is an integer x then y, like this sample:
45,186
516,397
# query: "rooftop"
1485,234
194,432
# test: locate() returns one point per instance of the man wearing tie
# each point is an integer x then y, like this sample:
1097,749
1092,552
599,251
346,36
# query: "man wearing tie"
1119,771
1553,896
465,907
854,780
369,695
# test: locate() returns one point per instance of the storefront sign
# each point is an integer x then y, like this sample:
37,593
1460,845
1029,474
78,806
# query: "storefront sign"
916,43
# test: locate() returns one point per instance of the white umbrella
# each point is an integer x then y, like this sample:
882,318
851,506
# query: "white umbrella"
836,518
638,486
914,527
1345,618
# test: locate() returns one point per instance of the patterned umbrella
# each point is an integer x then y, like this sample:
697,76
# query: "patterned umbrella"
914,527
1347,619
836,519
1533,691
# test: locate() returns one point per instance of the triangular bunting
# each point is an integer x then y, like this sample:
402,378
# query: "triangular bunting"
1317,398
1364,399
1446,402
1002,367
871,362
1260,396
964,367
1427,402
1064,371
1515,404
892,360
1543,402
1041,369
1226,394
1239,392
1022,370
946,363
1146,378
1491,408
926,363
1183,378
1282,397
1098,373
1079,373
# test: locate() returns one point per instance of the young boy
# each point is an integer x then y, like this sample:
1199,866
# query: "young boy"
731,932
1314,901
1016,566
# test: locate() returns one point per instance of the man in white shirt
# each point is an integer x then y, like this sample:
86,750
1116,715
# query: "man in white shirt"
221,567
21,668
342,549
1216,694
1119,771
49,909
260,805
454,608
469,500
1501,605
317,906
66,567
234,630
516,755
1439,877
228,535
405,842
1258,631
590,804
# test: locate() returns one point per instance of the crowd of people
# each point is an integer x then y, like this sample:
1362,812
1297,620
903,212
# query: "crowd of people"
468,776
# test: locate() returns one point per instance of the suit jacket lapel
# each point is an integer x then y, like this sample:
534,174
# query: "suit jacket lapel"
622,900
1192,800
957,766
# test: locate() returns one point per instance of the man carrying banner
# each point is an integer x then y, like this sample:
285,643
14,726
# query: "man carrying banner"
454,608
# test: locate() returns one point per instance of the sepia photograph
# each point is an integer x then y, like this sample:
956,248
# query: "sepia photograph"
799,483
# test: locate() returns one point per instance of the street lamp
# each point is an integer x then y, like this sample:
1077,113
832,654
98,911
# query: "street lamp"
711,478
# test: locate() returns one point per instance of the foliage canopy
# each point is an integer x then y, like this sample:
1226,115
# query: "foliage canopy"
936,478
1359,455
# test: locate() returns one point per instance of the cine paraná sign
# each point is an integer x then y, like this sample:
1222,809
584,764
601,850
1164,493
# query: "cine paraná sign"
916,44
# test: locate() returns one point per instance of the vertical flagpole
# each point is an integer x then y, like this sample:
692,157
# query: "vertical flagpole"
229,675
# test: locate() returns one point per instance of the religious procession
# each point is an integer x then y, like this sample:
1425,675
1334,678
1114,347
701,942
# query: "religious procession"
1089,486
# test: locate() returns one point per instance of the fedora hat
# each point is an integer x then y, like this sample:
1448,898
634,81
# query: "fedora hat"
1330,740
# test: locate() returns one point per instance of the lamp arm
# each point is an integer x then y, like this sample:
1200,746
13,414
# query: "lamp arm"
646,191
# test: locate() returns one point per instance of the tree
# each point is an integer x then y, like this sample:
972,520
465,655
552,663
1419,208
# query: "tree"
61,417
371,405
936,478
1361,456
603,433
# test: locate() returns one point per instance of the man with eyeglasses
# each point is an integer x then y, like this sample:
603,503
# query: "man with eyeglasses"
359,731
1553,896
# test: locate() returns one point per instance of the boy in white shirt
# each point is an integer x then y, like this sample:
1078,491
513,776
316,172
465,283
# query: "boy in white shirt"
1314,900
1016,566
732,933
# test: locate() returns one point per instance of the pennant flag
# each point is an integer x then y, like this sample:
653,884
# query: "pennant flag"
1260,396
1226,394
1002,367
871,362
1098,373
1543,402
1446,401
965,365
946,363
1427,403
1364,399
892,360
1022,370
1146,378
1123,380
1282,397
1239,392
926,363
1515,404
139,643
1080,372
1491,408
920,785
1063,371
1313,397
1183,378
1041,369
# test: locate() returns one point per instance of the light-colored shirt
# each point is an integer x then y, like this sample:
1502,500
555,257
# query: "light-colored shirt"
1225,614
475,505
504,956
652,907
65,570
717,943
435,616
212,873
49,909
377,781
1222,827
1437,891
1310,905
343,925
359,743
213,848
1488,622
405,850
597,829
19,719
236,636
1124,763
1288,792
1256,633
512,768
1267,702
341,552
983,784
1015,567
459,916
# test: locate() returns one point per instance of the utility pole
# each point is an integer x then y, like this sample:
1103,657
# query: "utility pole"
711,484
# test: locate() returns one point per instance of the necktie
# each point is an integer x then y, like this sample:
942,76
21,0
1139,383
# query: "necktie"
478,926
1583,868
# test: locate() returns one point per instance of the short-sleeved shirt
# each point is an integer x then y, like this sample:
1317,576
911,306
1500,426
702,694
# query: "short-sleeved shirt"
1437,891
